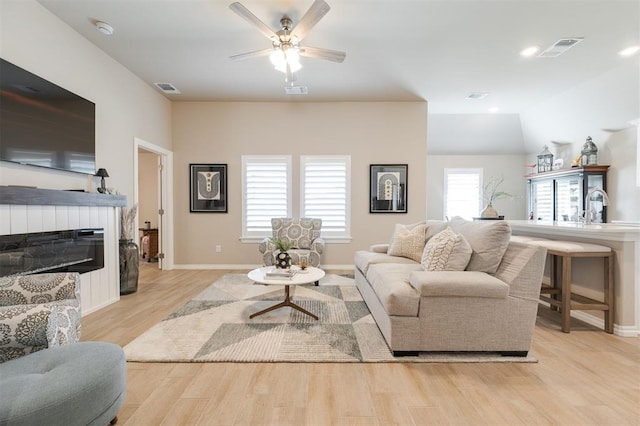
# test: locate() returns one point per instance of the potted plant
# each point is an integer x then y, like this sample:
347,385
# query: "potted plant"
492,193
283,259
128,251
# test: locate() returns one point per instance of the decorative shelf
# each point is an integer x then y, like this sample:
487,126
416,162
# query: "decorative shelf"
55,197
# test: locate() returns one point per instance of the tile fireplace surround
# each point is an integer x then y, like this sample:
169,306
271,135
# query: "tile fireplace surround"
32,210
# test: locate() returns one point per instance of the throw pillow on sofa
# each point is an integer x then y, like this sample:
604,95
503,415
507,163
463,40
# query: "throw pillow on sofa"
446,251
408,241
488,239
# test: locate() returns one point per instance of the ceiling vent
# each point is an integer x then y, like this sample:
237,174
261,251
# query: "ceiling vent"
296,90
559,47
167,88
477,95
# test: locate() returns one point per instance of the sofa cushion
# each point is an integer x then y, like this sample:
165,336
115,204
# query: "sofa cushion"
27,328
434,227
391,283
408,241
363,259
458,284
488,240
446,251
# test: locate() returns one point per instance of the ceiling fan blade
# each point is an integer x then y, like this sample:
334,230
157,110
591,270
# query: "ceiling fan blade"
243,12
329,55
318,9
253,54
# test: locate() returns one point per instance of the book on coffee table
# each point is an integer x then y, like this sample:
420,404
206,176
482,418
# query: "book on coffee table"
280,274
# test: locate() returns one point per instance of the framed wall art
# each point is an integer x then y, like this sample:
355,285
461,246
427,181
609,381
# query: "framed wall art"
388,188
208,186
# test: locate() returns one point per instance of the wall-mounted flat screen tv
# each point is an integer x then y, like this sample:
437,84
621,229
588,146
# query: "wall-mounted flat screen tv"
42,124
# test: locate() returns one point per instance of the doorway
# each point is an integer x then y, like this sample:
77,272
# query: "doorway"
154,196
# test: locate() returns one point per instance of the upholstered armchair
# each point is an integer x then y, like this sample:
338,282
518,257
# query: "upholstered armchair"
304,233
37,312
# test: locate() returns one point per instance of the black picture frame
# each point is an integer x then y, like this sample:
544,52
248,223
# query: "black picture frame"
388,188
208,188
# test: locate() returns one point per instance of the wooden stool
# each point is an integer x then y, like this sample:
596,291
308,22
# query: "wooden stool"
563,252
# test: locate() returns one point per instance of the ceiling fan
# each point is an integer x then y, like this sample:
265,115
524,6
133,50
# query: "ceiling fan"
285,50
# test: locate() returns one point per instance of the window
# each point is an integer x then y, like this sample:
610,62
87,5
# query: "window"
266,193
325,192
462,192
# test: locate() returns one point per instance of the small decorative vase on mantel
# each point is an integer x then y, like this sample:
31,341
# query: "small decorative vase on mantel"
129,251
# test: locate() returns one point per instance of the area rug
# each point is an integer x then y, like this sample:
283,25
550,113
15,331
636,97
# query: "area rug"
215,327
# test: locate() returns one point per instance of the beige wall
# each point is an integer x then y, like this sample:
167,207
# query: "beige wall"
126,107
372,133
147,189
511,167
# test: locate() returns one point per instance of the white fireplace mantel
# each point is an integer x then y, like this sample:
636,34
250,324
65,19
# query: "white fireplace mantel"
25,210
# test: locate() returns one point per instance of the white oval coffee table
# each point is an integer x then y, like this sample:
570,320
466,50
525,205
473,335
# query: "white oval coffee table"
310,276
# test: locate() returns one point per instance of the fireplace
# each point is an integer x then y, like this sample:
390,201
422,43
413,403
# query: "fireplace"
76,250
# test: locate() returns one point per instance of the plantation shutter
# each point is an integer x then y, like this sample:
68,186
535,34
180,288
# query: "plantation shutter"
325,192
462,192
267,192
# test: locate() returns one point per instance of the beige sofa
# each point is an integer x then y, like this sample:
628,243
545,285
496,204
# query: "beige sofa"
490,305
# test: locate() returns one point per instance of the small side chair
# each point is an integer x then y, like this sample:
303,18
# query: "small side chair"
304,233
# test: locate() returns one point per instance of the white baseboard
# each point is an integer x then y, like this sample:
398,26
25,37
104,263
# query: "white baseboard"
618,330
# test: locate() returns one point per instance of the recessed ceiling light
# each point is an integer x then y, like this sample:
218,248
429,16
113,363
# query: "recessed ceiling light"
477,95
103,27
629,51
529,51
494,109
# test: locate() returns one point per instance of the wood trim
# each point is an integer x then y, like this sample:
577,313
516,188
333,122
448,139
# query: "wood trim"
53,197
554,173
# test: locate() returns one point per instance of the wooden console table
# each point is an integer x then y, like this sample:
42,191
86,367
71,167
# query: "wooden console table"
152,248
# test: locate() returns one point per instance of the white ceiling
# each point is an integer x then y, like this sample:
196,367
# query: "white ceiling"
397,50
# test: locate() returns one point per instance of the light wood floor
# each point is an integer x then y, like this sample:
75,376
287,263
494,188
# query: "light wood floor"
585,377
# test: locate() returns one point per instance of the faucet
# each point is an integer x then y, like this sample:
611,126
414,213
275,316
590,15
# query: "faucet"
587,203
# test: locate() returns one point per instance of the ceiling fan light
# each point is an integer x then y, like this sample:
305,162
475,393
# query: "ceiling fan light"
277,58
295,66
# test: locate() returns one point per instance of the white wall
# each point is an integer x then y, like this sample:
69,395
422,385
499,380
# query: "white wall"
221,132
475,134
511,167
602,108
33,38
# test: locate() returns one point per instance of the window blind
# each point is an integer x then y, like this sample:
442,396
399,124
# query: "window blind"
325,192
267,192
462,188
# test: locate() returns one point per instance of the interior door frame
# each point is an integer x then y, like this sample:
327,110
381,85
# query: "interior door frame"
165,193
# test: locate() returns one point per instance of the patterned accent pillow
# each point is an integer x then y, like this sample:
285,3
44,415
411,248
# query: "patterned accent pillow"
27,328
446,251
69,323
408,241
